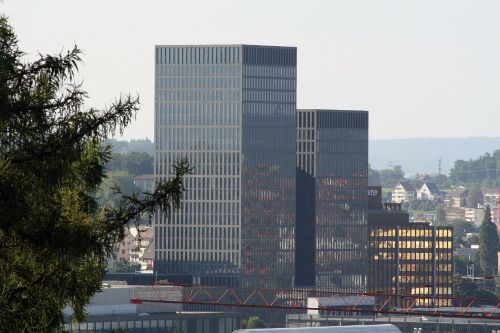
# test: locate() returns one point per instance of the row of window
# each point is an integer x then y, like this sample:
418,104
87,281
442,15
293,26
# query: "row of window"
205,163
198,70
269,83
424,268
256,55
441,256
440,233
344,150
206,95
198,55
194,139
281,72
429,291
211,83
269,96
201,220
441,279
278,110
201,256
387,244
216,325
203,213
197,114
196,244
270,55
200,237
183,115
342,119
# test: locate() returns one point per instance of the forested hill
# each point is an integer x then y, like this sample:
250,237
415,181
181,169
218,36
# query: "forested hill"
422,155
138,145
413,155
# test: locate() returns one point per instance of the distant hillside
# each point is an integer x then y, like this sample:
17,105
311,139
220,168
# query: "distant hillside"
422,155
414,155
140,145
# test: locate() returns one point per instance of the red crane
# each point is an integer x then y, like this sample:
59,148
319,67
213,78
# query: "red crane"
296,299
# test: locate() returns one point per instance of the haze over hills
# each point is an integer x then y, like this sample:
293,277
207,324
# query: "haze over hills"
421,155
418,155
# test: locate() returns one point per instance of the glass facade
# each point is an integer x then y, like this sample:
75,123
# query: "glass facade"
268,173
230,109
332,182
414,260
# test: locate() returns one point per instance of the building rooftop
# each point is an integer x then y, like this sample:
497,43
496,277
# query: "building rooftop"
456,192
407,186
432,187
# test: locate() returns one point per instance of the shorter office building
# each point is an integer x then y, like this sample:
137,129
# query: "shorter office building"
403,192
409,259
414,260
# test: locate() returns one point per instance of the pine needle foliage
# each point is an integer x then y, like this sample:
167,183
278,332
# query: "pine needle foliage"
54,237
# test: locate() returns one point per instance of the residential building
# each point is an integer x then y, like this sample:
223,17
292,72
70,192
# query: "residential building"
145,182
454,213
456,197
474,215
148,257
491,197
403,192
231,111
133,247
429,191
332,182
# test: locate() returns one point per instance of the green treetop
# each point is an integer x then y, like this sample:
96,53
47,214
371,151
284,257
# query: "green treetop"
54,237
488,245
253,322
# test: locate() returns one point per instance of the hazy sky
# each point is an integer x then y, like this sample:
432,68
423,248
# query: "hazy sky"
423,68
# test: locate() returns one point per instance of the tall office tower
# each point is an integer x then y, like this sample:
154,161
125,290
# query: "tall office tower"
230,109
332,184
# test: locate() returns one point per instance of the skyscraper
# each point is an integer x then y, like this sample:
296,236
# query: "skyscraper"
332,184
231,110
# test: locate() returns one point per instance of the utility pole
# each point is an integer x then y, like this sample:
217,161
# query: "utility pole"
390,165
439,166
